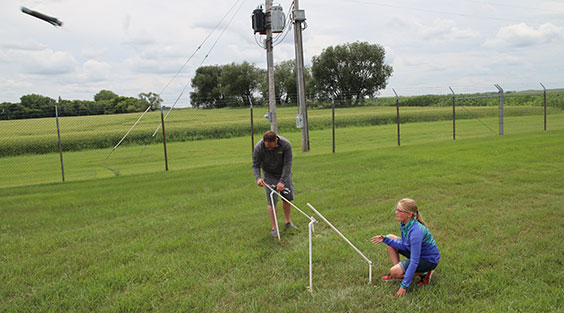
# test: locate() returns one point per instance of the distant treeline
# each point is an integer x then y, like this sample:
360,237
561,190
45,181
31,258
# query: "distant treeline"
554,98
105,102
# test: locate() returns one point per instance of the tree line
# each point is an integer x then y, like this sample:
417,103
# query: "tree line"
105,102
347,74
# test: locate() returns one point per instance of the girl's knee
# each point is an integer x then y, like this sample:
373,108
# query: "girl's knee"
394,237
396,271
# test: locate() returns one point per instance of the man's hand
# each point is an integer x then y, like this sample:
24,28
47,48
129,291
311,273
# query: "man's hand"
400,292
260,182
279,186
377,239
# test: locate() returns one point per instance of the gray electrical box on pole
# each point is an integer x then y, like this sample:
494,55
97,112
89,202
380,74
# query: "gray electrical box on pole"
270,67
301,119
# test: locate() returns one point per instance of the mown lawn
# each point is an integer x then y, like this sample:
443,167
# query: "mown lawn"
197,239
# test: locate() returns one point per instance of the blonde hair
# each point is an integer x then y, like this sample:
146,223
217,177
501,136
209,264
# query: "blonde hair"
409,205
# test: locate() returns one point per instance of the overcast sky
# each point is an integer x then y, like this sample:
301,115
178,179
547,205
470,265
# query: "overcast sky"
137,46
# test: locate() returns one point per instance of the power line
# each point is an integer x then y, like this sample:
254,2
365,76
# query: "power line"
186,86
206,56
198,48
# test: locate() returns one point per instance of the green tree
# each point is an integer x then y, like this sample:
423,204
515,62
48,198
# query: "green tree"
207,89
9,110
228,85
285,84
240,81
105,95
152,99
128,105
350,72
37,106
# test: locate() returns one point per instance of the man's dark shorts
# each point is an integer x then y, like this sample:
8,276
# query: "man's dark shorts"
287,193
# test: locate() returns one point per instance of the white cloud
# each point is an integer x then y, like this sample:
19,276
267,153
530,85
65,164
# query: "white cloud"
451,69
93,70
23,45
140,64
437,30
522,35
95,52
45,62
390,54
131,46
139,40
445,30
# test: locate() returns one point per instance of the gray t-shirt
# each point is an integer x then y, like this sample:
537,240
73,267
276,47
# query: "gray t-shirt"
277,162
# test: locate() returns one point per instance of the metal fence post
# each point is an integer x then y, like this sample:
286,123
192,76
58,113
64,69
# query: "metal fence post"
397,115
544,94
164,139
333,121
453,114
252,128
59,137
500,108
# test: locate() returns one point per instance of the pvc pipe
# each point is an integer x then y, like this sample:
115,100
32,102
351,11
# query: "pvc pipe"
310,226
275,213
343,236
295,207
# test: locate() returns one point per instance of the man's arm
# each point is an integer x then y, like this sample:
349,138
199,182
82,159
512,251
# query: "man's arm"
257,162
287,166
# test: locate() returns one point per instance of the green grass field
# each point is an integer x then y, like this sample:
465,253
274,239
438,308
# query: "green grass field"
39,136
138,159
197,238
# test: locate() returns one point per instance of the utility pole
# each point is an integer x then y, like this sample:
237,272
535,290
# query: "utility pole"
299,18
270,67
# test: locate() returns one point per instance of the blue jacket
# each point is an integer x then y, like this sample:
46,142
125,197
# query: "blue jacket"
417,239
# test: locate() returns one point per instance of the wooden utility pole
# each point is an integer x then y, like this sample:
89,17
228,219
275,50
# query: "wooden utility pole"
299,18
270,68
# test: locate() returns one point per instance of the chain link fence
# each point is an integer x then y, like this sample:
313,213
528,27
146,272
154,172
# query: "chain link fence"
31,153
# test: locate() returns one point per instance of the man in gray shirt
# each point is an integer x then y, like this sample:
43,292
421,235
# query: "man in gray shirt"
273,154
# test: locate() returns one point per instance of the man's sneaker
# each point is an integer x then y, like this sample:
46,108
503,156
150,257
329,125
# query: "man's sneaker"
275,233
387,277
290,225
426,279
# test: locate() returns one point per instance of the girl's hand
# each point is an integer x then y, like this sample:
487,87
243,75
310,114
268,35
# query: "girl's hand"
377,239
400,292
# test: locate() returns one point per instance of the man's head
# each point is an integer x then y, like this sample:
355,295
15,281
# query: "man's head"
270,140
